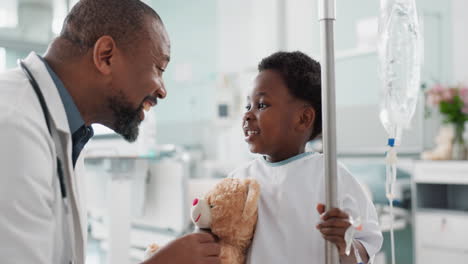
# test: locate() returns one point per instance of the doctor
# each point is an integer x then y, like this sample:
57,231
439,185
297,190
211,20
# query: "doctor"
105,67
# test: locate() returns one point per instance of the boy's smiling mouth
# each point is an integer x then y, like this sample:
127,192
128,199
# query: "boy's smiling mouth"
249,133
252,132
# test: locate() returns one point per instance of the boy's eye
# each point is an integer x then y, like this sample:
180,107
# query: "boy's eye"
261,105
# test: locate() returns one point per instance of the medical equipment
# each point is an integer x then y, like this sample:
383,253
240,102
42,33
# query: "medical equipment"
356,253
327,18
134,201
351,207
46,112
400,53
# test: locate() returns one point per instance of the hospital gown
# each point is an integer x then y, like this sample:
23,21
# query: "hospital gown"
290,191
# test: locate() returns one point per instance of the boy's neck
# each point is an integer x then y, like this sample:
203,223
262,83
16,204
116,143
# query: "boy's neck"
284,155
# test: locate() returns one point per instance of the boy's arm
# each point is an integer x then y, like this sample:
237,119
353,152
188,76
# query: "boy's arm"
351,259
334,224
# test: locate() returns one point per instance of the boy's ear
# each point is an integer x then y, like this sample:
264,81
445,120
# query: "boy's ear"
306,118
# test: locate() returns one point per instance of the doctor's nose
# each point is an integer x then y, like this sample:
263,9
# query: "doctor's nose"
161,93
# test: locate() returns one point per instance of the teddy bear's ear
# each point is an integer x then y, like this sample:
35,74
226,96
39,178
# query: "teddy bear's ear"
253,194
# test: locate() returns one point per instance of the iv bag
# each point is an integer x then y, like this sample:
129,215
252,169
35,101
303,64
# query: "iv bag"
400,58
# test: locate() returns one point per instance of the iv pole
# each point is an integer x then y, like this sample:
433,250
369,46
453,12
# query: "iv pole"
327,17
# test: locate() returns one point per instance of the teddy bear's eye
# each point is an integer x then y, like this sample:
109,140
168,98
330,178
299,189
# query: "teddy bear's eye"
211,206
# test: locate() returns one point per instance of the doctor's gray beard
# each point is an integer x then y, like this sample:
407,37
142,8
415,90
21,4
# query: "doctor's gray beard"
126,118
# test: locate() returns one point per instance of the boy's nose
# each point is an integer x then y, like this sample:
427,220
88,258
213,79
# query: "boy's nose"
247,116
245,121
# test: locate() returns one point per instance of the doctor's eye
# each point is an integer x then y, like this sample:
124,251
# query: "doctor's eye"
159,69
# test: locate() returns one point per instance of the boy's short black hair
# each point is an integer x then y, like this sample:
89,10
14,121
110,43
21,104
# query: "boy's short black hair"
301,74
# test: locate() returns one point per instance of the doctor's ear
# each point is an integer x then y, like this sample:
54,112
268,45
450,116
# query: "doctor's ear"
103,54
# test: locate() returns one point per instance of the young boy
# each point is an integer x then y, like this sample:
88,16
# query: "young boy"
283,114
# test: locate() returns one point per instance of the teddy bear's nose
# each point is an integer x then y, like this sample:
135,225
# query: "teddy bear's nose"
195,202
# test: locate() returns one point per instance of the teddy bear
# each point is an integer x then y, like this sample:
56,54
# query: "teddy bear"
230,212
443,148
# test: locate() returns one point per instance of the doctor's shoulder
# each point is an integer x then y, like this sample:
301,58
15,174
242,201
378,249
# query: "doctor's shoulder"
19,106
13,86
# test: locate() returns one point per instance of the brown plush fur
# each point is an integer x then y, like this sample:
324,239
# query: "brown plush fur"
234,216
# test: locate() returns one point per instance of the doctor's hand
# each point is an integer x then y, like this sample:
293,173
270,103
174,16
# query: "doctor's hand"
333,226
195,248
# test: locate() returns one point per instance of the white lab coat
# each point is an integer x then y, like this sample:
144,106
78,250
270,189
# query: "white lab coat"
35,224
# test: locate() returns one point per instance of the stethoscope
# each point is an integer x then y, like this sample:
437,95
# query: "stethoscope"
45,111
